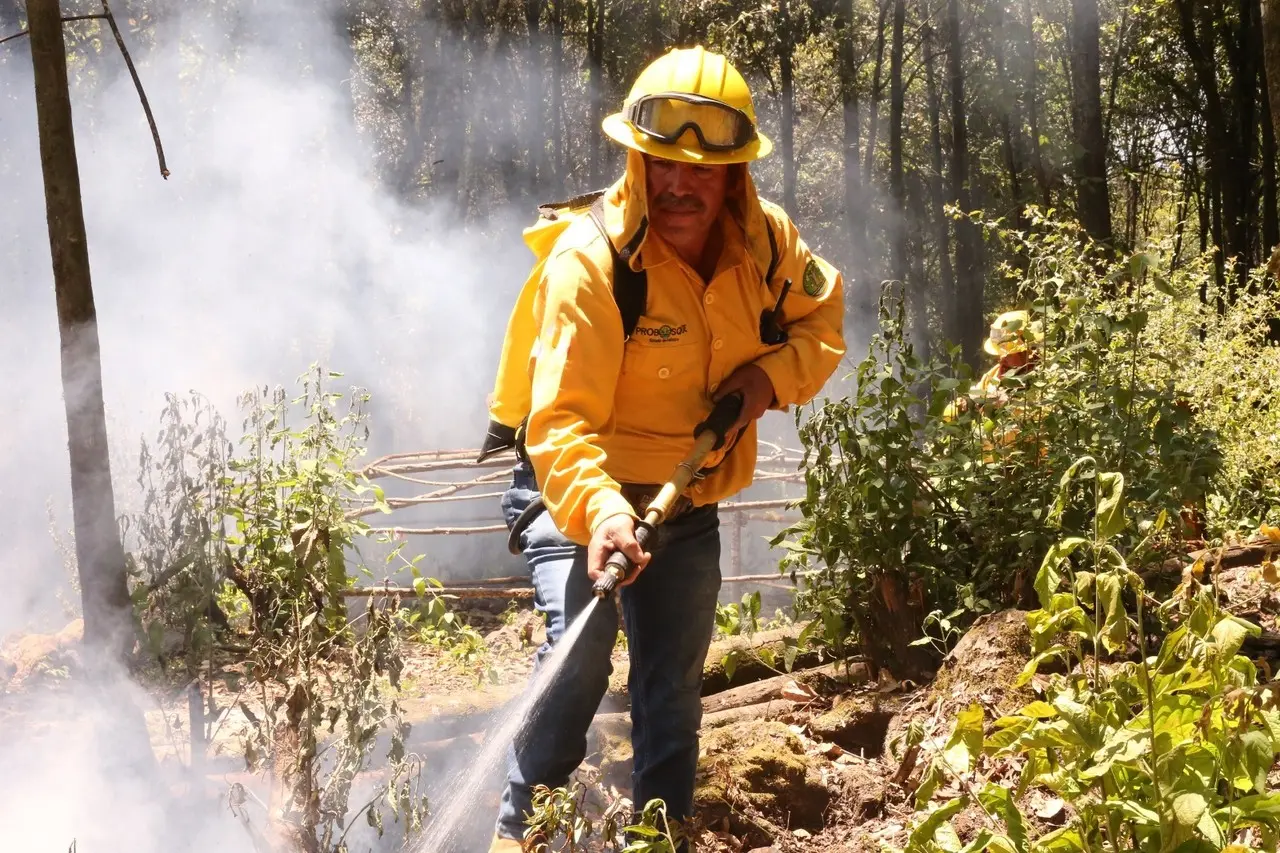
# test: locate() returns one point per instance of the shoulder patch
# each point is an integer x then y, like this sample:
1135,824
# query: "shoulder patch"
814,281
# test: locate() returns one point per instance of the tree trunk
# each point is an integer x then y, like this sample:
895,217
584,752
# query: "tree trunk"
889,625
877,90
786,49
1010,120
1241,55
1271,56
108,623
558,168
1270,223
942,229
897,188
967,325
535,72
918,293
1267,72
655,28
1086,83
595,63
854,210
1220,149
1032,97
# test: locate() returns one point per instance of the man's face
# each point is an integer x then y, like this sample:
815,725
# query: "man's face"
1014,360
684,199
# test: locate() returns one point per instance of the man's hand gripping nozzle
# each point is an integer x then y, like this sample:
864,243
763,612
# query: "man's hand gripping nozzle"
709,436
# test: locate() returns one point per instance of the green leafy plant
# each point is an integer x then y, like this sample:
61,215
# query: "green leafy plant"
561,814
253,551
907,511
1168,752
739,618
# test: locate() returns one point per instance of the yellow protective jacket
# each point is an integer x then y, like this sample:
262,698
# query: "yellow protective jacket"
604,411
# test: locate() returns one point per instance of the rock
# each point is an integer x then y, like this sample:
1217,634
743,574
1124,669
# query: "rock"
762,767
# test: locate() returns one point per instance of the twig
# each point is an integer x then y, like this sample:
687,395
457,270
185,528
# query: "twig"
18,34
146,107
83,18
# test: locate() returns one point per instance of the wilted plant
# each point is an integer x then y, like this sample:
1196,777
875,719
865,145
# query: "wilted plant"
1167,752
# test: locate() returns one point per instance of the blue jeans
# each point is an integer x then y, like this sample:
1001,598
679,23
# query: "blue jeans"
669,615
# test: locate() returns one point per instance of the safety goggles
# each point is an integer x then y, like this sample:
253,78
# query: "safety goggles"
665,116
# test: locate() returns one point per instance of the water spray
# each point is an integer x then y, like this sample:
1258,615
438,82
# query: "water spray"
709,436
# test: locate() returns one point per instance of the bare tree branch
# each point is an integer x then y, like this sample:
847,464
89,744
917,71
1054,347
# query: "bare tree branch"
133,72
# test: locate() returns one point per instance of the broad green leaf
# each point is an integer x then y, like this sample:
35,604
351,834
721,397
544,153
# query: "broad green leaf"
924,832
1136,812
1007,734
933,778
1064,489
1258,808
1038,709
1249,758
1064,840
1058,733
1199,845
1110,501
1210,829
1187,809
1048,579
1115,621
1229,634
999,800
1125,746
1175,717
981,841
965,743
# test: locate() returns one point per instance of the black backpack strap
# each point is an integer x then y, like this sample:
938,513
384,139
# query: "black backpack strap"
630,287
773,251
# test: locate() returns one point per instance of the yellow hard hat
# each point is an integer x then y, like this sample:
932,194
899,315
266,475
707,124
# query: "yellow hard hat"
693,106
1013,331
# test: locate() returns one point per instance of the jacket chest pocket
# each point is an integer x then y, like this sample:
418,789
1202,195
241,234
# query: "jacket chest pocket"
680,363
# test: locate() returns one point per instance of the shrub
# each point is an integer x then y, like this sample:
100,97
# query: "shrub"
909,513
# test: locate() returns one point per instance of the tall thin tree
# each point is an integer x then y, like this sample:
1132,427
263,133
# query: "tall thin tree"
786,53
108,624
1094,199
965,325
897,224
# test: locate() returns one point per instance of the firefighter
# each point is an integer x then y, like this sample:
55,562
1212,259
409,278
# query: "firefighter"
1014,339
611,415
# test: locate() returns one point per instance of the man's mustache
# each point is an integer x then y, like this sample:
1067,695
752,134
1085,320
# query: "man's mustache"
669,202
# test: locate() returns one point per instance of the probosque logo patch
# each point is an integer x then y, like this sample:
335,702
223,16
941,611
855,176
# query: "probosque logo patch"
665,333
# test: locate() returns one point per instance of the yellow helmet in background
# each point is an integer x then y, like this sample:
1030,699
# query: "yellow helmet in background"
1011,332
693,106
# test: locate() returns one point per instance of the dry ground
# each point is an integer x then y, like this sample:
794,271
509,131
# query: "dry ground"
812,762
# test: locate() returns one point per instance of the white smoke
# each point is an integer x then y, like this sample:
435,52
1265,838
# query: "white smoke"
271,246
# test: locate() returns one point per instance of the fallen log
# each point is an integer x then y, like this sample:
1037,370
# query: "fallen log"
771,688
743,659
760,711
1251,553
756,693
747,664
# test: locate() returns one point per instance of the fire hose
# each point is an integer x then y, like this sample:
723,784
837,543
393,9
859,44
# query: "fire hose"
709,436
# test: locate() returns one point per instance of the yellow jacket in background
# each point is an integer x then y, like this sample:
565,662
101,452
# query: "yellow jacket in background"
605,412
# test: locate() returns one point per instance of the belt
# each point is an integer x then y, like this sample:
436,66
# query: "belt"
639,495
